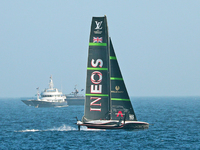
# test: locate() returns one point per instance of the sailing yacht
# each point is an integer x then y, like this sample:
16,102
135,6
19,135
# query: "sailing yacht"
107,103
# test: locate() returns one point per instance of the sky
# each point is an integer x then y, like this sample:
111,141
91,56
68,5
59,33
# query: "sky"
157,44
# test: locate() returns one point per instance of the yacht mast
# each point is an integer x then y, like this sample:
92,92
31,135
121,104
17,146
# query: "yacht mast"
51,83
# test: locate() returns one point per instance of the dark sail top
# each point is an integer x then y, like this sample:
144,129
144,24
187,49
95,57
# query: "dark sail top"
97,102
121,104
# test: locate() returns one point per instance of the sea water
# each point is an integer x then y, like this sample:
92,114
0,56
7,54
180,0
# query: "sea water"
174,124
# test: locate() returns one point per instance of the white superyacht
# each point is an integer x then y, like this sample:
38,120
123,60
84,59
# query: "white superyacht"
50,97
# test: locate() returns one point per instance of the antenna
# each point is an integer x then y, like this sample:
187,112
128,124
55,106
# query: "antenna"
38,93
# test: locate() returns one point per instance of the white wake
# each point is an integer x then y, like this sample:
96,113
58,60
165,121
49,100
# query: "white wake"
62,128
84,128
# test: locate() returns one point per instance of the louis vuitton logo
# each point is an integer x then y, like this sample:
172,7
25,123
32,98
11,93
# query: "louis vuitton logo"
98,25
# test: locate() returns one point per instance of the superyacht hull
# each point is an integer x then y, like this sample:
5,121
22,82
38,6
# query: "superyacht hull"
115,124
38,104
75,101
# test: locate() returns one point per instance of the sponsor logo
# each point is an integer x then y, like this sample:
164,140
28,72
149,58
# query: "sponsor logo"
97,39
97,32
119,114
117,88
96,78
98,25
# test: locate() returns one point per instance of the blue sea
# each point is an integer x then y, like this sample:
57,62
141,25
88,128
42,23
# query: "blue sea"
174,124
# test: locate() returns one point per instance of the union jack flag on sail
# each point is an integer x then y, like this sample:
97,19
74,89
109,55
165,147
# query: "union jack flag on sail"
97,39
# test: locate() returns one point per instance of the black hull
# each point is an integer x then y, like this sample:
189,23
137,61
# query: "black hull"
39,104
116,125
75,101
